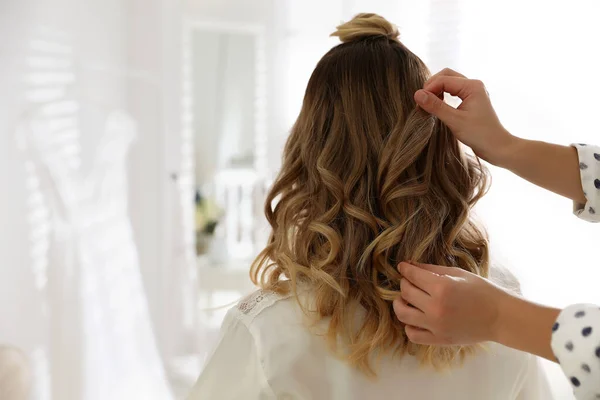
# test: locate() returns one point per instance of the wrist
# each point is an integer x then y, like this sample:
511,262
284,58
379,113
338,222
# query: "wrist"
505,306
525,326
506,150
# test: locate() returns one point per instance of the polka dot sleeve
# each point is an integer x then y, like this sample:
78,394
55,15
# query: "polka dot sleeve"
589,167
576,345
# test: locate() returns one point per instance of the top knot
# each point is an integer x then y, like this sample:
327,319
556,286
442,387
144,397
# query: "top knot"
364,26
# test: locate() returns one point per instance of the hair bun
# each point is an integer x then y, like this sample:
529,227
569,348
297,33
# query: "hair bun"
364,26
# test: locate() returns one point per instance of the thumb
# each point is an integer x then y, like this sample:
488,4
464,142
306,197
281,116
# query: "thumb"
439,269
435,106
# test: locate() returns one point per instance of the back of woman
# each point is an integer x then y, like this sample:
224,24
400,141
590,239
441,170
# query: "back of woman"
368,180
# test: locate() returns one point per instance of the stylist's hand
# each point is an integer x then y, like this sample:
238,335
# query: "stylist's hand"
449,305
474,122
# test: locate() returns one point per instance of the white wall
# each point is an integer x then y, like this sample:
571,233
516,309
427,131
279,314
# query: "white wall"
154,33
147,159
240,11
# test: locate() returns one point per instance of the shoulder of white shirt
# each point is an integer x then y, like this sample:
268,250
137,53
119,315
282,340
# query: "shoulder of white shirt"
257,302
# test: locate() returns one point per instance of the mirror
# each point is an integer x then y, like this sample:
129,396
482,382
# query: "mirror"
224,89
226,81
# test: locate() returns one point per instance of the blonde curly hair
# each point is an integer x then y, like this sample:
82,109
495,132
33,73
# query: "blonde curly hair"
369,180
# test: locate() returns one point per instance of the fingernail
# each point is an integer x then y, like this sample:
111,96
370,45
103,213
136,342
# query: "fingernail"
421,97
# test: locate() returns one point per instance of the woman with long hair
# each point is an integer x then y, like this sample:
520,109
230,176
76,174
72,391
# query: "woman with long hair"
368,180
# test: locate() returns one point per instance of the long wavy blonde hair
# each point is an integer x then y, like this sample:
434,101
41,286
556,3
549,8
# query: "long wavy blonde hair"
369,180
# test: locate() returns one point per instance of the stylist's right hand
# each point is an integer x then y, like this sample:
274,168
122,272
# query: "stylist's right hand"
447,306
474,122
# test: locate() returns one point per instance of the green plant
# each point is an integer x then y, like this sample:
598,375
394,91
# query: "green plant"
208,214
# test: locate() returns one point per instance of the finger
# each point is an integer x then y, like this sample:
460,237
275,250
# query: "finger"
444,72
439,270
409,315
413,295
420,336
461,87
434,105
421,278
448,72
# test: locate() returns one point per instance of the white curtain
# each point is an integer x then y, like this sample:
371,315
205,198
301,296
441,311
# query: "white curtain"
95,254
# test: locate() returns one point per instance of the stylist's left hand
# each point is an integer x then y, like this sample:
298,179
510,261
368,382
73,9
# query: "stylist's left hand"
448,306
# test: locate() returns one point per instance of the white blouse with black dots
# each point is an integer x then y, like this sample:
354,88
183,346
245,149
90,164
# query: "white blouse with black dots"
576,333
589,166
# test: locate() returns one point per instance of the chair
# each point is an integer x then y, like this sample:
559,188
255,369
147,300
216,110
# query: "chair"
15,374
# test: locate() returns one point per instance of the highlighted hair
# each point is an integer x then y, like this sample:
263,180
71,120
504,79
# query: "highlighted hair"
369,180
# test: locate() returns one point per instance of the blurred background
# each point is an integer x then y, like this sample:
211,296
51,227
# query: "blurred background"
138,138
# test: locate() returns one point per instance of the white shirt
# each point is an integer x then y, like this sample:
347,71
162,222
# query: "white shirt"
576,333
266,351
